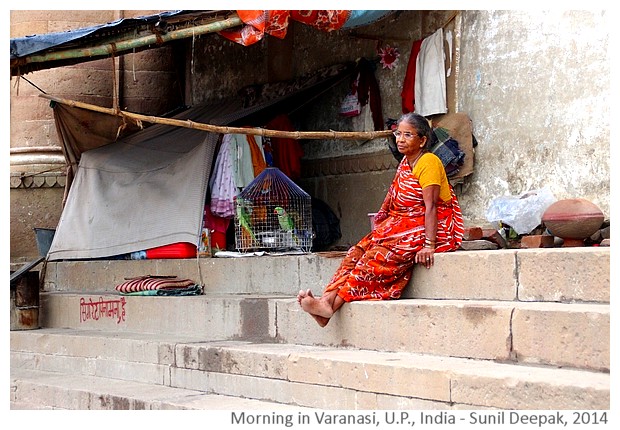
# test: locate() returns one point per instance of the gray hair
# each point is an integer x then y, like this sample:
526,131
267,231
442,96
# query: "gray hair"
421,124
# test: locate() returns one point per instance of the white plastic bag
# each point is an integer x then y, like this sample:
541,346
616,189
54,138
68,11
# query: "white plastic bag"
523,213
350,105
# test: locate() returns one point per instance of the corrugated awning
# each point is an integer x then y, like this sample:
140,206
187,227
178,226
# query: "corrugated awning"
46,51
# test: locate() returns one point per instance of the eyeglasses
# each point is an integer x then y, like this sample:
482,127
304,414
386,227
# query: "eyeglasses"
407,135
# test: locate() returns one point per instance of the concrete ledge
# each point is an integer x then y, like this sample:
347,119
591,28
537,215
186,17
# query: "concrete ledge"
244,275
215,317
558,274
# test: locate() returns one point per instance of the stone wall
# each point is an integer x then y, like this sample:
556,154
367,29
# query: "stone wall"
148,82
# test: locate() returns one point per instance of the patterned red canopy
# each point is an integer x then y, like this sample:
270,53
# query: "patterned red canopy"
275,23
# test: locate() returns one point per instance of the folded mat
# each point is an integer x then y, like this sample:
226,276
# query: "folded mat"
171,284
192,290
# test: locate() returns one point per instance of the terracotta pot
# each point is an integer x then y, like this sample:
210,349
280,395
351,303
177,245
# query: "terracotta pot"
573,220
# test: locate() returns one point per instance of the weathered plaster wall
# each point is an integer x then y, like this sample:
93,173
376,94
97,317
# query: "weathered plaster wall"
218,68
537,87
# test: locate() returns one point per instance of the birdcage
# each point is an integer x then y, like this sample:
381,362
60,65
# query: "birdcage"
273,214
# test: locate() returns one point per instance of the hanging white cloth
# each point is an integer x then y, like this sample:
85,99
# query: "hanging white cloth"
222,183
242,160
430,76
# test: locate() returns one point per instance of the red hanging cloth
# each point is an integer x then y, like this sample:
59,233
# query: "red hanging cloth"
408,93
275,23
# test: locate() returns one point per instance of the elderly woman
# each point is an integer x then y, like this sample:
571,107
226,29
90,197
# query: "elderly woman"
419,217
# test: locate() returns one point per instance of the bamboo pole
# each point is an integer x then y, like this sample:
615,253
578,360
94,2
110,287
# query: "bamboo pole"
297,135
117,47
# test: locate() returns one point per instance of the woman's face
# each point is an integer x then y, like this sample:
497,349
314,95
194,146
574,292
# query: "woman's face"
407,140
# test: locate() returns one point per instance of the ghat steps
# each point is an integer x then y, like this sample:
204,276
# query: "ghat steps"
506,329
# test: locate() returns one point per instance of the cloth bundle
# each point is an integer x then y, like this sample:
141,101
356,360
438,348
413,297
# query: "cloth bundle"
153,285
447,149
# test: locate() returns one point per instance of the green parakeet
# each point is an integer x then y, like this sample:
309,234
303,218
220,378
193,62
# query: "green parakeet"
286,221
244,219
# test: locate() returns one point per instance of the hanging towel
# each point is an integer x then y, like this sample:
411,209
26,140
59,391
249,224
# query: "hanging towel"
430,77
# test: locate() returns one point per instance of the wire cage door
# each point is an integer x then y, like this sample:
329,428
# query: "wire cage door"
273,214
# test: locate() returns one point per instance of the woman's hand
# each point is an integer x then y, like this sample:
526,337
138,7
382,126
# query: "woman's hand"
425,257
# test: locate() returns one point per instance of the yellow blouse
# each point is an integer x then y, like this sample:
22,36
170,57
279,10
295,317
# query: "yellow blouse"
430,171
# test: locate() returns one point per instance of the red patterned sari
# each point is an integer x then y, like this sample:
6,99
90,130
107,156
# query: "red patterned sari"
380,266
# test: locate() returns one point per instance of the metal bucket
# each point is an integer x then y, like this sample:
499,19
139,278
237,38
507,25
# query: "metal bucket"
44,238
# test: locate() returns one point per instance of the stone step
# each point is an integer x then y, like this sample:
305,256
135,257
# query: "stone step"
557,274
35,389
298,375
559,334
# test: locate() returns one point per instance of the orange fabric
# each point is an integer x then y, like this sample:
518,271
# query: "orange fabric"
275,23
380,265
258,160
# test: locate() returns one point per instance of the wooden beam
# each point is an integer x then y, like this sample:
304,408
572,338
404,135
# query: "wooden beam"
297,135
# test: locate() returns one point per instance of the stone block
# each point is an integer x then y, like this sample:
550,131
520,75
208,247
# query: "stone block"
472,233
505,386
390,374
427,326
146,314
451,277
494,236
564,274
537,241
478,245
147,373
574,335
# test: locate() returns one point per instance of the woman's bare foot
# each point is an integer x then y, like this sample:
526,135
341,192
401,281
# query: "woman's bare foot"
322,321
317,307
303,294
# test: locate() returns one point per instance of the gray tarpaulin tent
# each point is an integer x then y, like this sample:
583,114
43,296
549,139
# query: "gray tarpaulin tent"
140,192
149,189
